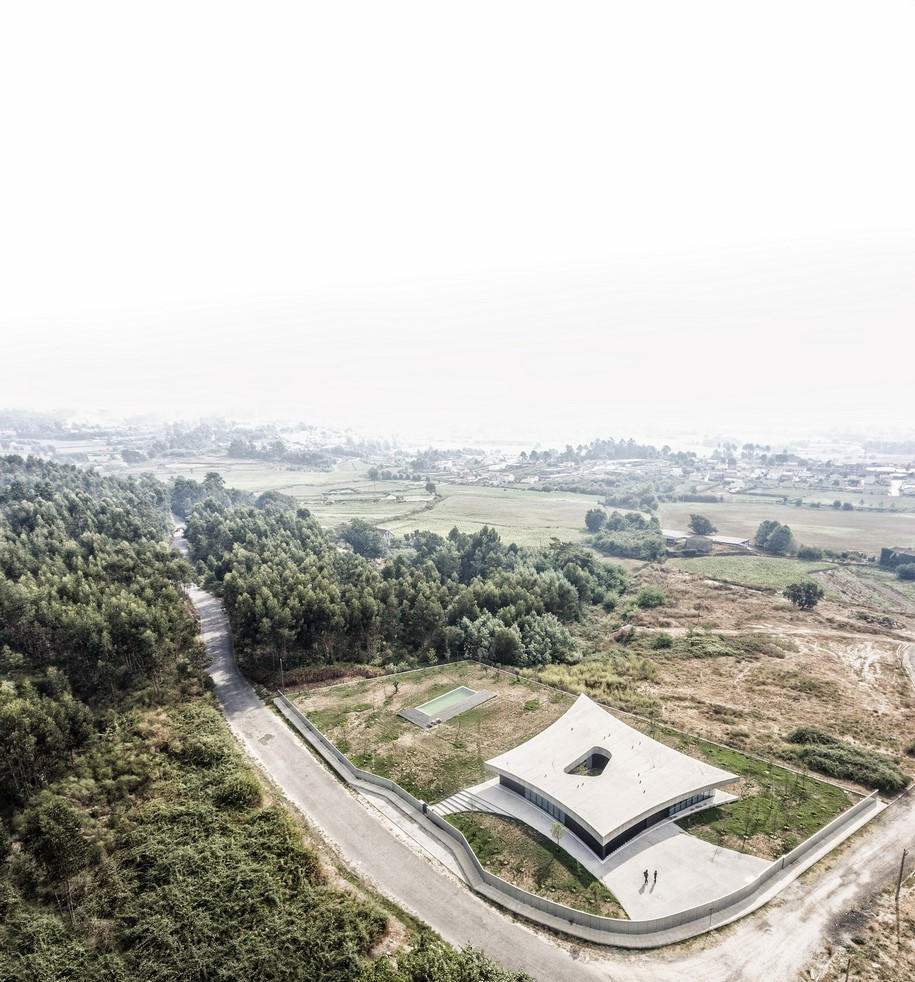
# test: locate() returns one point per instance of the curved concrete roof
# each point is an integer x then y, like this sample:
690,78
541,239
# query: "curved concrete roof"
642,777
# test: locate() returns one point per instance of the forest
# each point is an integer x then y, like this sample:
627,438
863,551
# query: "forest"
135,840
292,592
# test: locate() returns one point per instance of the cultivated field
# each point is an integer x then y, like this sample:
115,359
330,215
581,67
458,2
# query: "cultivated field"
761,571
530,518
825,527
526,517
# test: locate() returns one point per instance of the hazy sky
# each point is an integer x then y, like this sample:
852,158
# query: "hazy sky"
478,218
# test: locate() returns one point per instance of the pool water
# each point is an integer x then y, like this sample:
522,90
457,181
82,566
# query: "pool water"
445,701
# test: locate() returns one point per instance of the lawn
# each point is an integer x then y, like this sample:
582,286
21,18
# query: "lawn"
776,808
825,527
760,571
521,855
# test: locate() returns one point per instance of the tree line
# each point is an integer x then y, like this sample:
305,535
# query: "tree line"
292,592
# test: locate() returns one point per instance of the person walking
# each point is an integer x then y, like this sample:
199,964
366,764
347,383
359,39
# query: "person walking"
646,876
655,877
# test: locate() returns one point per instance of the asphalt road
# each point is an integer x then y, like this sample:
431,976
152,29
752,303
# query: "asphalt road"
773,944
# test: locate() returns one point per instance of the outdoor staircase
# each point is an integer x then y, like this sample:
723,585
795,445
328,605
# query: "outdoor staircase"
466,801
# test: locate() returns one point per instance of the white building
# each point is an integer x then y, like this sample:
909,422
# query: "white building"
604,780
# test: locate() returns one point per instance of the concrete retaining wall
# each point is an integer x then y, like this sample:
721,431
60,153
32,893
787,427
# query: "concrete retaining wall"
608,930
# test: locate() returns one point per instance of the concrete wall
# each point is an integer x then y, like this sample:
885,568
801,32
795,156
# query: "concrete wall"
609,930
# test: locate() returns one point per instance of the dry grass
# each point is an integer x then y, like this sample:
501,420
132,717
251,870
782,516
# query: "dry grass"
829,668
361,718
870,944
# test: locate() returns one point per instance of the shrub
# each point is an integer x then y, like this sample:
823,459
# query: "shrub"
594,519
837,758
204,751
814,553
906,571
650,596
810,734
240,790
662,640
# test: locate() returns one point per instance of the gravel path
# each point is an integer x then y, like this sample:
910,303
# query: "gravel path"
773,944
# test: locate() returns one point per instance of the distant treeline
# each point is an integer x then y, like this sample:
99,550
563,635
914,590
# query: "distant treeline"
628,536
277,451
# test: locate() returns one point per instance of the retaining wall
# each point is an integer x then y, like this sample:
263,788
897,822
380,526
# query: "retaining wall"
608,930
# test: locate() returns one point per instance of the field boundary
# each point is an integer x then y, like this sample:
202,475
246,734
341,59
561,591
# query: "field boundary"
650,933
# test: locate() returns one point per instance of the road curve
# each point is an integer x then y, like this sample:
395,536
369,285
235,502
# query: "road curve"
774,943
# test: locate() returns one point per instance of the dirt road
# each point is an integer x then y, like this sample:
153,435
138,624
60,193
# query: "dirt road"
773,944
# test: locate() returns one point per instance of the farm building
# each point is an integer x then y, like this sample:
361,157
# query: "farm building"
604,780
896,556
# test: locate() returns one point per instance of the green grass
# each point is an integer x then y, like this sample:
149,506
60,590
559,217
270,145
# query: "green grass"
521,855
529,518
759,571
779,808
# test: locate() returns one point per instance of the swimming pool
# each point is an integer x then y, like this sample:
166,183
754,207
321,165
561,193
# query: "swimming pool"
445,701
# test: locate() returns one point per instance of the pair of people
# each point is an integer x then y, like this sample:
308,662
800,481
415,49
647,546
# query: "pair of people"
645,874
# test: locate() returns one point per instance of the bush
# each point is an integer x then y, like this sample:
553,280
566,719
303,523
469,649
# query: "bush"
662,640
204,752
650,596
839,759
240,790
810,734
594,519
906,571
814,553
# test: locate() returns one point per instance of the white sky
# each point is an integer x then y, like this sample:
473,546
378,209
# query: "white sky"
545,220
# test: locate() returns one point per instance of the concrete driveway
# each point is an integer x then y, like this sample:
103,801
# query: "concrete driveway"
691,872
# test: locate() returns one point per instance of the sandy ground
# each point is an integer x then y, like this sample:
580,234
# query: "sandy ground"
843,674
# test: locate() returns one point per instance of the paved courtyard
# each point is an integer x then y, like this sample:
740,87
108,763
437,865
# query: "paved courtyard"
691,872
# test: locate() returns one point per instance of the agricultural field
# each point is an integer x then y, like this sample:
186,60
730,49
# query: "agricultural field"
770,572
530,518
780,808
863,531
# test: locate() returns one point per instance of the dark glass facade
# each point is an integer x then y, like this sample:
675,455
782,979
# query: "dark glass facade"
596,846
